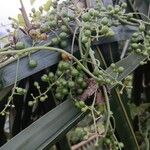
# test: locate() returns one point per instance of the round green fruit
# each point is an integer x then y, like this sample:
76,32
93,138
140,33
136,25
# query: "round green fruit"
63,35
45,78
20,45
63,44
71,84
32,63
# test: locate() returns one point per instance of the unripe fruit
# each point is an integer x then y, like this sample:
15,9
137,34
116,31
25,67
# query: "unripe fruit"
84,39
124,5
32,63
64,28
64,91
71,84
55,41
63,35
58,96
45,78
74,72
86,17
80,80
104,21
20,45
87,33
120,69
51,75
63,44
142,27
113,65
79,91
30,103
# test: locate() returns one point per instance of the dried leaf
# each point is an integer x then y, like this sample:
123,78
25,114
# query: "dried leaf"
91,89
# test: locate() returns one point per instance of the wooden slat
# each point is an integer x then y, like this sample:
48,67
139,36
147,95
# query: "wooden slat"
46,130
46,59
54,124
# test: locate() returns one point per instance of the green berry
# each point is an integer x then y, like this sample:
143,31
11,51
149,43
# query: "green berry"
55,41
63,35
84,84
79,91
64,28
20,45
135,35
124,5
53,23
64,91
44,28
19,90
45,78
71,84
104,29
74,72
84,39
59,73
109,7
104,21
120,69
113,65
117,9
32,63
40,8
145,54
82,104
58,96
142,27
63,44
30,103
63,82
134,45
108,81
84,109
86,17
129,78
42,99
108,141
87,33
65,65
51,75
129,15
138,51
87,25
93,12
142,63
36,84
80,80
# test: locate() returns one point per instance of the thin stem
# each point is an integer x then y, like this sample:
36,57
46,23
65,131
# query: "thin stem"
108,110
32,49
73,40
13,90
100,53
